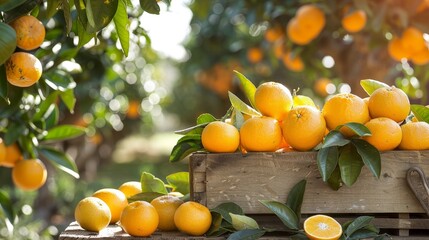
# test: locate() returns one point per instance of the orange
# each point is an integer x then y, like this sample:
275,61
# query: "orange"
219,136
193,218
3,161
130,188
13,155
415,136
321,86
366,100
297,33
354,21
412,40
139,219
273,34
386,134
322,227
293,63
30,32
389,102
279,49
166,206
254,55
29,174
311,19
396,50
115,199
421,57
273,99
304,128
261,134
343,108
92,214
23,69
133,110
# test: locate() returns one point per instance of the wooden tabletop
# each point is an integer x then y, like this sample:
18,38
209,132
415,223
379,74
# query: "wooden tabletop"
74,231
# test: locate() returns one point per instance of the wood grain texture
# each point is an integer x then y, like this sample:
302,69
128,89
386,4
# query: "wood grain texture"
245,179
74,232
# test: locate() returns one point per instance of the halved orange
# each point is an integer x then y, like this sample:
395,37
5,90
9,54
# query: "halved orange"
322,227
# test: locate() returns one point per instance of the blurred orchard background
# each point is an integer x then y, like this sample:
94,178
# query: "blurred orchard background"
180,64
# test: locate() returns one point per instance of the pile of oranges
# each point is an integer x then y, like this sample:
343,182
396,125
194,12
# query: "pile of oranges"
141,218
294,123
27,174
23,69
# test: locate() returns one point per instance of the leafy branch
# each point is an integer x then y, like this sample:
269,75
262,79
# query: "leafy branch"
340,159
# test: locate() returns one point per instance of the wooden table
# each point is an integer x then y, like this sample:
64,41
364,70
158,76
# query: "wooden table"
74,232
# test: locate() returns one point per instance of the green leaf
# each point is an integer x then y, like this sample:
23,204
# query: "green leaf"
247,234
45,105
29,6
248,87
327,160
150,183
296,196
179,181
60,80
216,228
370,156
60,160
359,223
370,85
238,119
99,14
64,132
285,213
7,5
6,205
144,196
121,24
194,130
185,146
205,118
358,128
84,36
7,41
67,15
241,222
52,7
420,112
335,138
68,99
350,164
14,131
150,6
51,119
334,180
241,106
224,209
3,84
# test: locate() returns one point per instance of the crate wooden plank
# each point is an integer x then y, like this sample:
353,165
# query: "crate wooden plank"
245,179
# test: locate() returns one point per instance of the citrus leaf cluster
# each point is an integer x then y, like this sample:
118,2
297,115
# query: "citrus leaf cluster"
153,187
229,218
362,228
340,159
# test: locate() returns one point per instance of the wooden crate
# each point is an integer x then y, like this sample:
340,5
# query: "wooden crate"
246,179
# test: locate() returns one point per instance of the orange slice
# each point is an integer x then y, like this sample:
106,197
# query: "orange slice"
322,227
